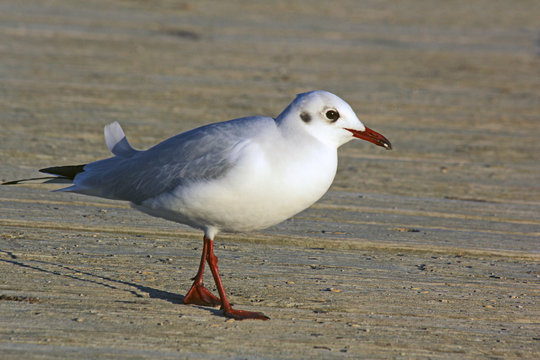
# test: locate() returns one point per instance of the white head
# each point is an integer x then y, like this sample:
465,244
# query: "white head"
327,118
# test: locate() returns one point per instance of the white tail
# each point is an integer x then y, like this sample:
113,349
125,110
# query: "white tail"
117,142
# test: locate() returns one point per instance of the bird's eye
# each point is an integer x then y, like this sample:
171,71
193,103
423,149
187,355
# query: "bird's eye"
332,115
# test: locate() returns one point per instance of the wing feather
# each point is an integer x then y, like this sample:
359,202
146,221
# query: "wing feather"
202,154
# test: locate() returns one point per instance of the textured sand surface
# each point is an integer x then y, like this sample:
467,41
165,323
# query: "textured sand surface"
427,251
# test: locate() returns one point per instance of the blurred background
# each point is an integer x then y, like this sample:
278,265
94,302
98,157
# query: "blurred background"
426,251
454,85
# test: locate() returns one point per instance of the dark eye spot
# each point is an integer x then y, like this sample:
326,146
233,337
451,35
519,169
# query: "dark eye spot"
305,117
332,115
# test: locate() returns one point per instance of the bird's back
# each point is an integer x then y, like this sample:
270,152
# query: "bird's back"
202,154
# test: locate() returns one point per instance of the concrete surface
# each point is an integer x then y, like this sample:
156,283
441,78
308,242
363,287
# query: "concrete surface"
427,251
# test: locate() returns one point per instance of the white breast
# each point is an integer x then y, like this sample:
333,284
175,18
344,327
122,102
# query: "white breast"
266,187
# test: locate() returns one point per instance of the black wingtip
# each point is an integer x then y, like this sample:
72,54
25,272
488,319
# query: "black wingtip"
64,174
21,181
69,171
14,182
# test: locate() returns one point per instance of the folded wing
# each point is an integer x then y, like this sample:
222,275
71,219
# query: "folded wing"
202,154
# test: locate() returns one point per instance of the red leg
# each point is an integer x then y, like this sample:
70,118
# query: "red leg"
198,294
228,311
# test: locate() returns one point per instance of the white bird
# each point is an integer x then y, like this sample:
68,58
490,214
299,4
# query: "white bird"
239,175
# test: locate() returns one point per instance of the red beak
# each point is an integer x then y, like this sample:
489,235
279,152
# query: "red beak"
372,136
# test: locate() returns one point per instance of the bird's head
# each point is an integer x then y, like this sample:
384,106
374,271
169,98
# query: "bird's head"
329,119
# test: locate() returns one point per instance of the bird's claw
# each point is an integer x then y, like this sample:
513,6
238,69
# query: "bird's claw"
199,295
243,315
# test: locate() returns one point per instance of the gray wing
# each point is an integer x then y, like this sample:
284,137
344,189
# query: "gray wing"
201,154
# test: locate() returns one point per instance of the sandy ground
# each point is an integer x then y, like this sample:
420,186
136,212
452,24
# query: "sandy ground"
427,251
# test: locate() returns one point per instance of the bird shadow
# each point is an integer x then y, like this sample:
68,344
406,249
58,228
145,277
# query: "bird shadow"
101,280
95,279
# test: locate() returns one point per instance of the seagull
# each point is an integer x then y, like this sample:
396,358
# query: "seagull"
235,176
